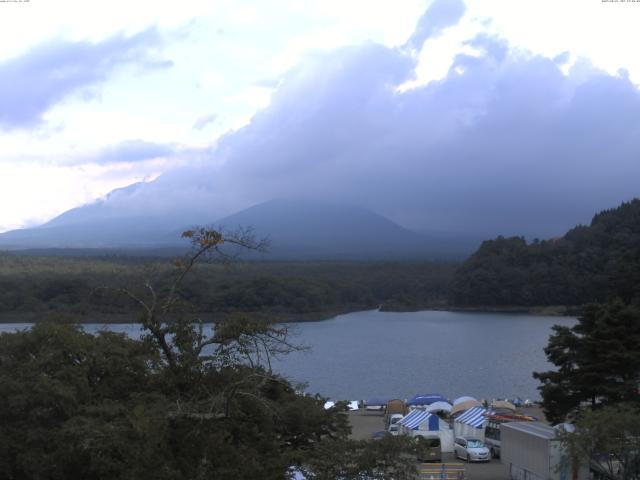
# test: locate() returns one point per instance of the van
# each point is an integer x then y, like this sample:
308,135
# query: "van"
428,448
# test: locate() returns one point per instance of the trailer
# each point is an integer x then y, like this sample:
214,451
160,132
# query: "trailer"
492,429
532,451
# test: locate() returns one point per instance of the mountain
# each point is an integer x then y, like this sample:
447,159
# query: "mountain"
298,229
314,230
111,222
117,232
588,264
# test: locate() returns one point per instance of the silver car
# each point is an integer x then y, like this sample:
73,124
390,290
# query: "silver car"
471,450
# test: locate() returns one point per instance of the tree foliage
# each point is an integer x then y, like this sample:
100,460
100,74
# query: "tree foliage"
387,458
182,402
608,441
588,264
597,360
33,286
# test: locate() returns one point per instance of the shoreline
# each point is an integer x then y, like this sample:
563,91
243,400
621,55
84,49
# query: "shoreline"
291,317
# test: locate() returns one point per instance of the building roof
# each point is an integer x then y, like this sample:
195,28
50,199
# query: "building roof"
532,428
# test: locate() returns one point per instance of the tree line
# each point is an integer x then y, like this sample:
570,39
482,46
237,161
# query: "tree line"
293,290
588,264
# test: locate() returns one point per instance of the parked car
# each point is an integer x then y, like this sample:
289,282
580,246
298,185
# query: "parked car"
380,435
428,448
392,423
394,429
471,450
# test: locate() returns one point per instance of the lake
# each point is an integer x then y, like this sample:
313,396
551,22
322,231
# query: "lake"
363,354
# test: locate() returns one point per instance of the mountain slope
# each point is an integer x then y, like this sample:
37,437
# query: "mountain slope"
117,221
301,228
298,229
589,264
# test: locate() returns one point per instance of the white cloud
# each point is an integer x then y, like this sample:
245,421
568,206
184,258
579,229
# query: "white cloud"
54,189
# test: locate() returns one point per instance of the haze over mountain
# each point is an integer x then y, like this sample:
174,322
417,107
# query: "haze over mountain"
310,229
297,229
106,223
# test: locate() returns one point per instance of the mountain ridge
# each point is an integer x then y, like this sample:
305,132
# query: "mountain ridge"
298,229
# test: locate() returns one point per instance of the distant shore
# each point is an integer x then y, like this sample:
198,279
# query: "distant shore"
287,317
545,310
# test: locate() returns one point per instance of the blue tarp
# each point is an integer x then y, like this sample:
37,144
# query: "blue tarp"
417,417
474,417
426,399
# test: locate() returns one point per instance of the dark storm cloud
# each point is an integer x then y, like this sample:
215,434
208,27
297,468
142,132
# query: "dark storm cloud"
506,143
33,82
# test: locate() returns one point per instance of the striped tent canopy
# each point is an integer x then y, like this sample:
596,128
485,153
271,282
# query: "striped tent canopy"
474,417
417,417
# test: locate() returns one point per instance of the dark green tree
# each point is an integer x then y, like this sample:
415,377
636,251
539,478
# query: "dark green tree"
588,264
608,441
183,402
390,457
597,360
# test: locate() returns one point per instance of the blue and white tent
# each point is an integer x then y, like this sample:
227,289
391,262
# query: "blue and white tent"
474,417
471,423
421,422
418,419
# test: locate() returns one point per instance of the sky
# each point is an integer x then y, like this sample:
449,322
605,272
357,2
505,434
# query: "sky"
486,116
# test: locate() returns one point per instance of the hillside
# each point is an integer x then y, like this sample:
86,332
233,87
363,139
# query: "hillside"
115,221
588,264
308,230
317,230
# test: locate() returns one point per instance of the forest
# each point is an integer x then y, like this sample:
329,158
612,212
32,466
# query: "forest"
32,287
588,264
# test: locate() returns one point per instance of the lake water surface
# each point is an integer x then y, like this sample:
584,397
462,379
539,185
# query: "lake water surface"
363,354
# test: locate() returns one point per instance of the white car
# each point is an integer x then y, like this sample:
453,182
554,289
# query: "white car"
394,426
471,450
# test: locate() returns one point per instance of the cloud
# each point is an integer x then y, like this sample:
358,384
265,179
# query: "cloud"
202,122
440,15
132,151
506,143
45,75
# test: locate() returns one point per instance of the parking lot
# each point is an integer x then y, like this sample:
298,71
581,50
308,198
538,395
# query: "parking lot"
364,424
